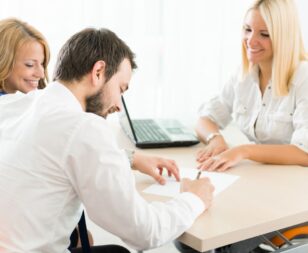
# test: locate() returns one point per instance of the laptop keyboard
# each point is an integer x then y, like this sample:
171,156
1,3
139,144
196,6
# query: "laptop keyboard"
148,130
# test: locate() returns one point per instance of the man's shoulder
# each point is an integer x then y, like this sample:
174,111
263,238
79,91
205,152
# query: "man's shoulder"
91,123
91,133
93,119
73,119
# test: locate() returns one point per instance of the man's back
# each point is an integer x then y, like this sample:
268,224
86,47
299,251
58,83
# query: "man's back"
34,189
53,156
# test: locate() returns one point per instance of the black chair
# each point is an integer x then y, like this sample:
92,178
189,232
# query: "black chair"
83,235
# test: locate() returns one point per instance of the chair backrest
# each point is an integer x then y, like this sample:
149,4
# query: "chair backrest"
300,231
83,233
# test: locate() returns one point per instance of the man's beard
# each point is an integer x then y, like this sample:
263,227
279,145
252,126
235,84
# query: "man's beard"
94,104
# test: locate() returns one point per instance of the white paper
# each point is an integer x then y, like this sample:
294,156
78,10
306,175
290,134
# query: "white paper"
220,180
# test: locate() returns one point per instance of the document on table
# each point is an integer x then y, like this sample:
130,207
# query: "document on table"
220,180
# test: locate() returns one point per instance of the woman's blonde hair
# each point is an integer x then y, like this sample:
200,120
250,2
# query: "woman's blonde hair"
13,34
281,19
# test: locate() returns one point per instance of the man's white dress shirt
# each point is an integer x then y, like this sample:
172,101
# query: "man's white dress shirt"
266,119
53,157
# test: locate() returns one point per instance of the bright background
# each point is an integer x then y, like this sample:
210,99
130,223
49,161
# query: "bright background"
186,49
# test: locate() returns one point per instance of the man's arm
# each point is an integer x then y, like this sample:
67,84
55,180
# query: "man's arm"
102,179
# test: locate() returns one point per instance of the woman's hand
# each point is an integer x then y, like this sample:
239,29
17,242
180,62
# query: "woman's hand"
215,147
224,160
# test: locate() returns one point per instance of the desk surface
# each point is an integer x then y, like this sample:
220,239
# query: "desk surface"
265,198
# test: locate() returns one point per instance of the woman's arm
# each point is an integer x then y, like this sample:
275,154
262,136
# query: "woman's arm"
215,114
276,154
263,153
205,128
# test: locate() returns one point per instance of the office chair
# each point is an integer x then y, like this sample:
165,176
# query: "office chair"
82,233
290,234
289,241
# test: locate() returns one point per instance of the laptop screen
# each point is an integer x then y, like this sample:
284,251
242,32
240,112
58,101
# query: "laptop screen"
126,122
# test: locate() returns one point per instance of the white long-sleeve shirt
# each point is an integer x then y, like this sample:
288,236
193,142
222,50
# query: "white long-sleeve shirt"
264,119
53,157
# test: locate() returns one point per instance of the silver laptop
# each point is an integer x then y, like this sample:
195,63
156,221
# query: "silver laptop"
150,133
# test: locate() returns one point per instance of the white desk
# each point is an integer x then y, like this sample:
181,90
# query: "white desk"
265,198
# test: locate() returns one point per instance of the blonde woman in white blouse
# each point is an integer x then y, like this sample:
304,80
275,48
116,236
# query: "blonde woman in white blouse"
267,99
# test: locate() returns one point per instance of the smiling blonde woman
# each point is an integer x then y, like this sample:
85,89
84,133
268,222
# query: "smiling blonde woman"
267,99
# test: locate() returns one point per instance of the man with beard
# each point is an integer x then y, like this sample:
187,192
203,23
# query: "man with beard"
57,153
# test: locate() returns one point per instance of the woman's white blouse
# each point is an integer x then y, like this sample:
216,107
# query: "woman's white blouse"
266,119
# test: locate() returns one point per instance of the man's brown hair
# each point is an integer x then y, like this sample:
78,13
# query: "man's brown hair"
79,54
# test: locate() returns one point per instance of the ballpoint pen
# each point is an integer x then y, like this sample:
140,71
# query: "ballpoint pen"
199,174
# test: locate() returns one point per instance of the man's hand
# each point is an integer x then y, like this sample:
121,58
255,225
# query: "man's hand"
201,187
154,166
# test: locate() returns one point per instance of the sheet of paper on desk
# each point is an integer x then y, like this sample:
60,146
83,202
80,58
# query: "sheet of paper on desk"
221,181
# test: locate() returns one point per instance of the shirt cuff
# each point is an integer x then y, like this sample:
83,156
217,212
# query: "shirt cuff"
130,154
197,206
301,146
299,139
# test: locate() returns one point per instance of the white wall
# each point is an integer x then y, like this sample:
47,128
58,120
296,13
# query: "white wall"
186,49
